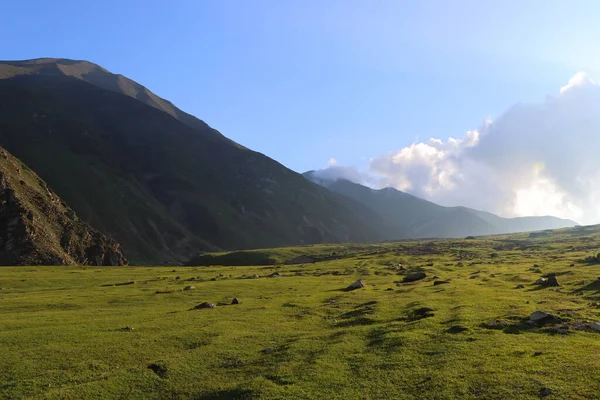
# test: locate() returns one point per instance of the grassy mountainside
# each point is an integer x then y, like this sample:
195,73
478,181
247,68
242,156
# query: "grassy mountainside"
414,217
37,227
156,185
301,335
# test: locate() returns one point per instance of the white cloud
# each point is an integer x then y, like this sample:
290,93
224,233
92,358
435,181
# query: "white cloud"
535,159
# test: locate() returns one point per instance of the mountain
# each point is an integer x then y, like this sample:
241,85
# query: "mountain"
98,76
38,228
410,216
162,183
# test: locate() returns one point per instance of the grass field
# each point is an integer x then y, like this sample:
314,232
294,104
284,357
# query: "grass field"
67,333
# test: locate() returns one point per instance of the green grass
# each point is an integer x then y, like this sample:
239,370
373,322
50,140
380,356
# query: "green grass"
302,337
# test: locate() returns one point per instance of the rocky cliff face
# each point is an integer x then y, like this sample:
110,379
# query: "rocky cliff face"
38,228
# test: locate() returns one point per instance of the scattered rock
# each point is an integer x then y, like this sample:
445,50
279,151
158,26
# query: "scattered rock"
548,281
562,329
415,276
127,329
177,278
275,275
495,324
545,392
189,287
389,289
206,304
538,316
236,301
298,273
435,283
594,326
473,277
357,285
552,281
537,354
579,327
520,286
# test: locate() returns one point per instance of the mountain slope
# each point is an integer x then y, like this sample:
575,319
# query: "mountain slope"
415,217
154,183
98,76
38,228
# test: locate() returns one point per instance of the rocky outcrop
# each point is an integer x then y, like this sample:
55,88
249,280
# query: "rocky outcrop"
38,228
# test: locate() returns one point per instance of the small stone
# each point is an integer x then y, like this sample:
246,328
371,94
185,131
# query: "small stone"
389,289
562,329
177,278
545,392
594,326
416,276
236,301
436,283
127,329
189,287
205,305
520,286
495,324
473,277
357,285
537,354
275,275
538,316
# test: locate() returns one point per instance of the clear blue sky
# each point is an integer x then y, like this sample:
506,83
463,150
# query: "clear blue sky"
306,80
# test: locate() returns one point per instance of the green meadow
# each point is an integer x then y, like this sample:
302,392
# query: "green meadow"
132,332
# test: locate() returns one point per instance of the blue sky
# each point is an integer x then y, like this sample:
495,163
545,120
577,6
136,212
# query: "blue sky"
305,80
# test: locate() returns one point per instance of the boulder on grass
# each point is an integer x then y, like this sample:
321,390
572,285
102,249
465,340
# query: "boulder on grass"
357,285
415,276
206,304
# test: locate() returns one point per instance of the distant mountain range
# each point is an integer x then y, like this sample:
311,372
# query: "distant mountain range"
167,186
407,216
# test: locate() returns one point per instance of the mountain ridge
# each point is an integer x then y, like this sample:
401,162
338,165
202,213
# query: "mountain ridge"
422,218
156,185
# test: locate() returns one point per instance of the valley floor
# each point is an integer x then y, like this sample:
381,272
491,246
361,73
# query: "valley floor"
68,333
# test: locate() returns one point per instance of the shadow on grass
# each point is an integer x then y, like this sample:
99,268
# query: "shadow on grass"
361,321
377,339
233,394
592,286
523,325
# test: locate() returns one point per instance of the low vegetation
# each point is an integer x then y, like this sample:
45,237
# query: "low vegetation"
488,330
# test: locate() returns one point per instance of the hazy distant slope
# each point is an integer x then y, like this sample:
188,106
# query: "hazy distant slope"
416,217
151,181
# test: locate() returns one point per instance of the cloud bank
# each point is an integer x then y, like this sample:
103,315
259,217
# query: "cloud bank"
535,159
